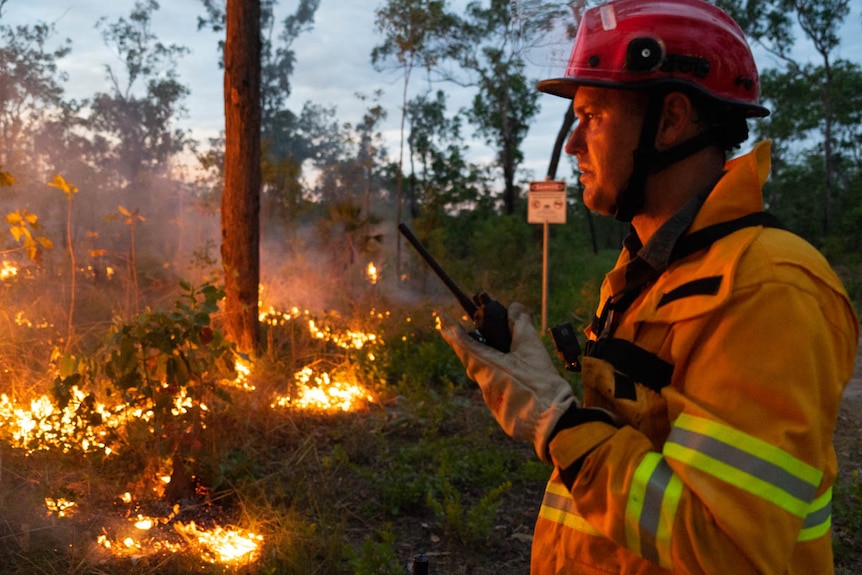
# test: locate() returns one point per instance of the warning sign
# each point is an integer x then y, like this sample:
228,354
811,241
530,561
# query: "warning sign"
547,202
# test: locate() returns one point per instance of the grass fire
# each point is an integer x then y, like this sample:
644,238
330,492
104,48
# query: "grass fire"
137,439
143,413
100,423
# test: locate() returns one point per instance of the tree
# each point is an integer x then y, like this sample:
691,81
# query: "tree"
407,27
30,91
489,44
288,139
444,179
769,23
133,123
241,197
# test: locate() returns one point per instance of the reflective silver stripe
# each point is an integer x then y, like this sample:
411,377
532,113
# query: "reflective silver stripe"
743,461
558,506
654,496
652,507
819,521
560,502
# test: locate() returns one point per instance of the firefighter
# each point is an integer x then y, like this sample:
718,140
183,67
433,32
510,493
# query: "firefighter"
716,361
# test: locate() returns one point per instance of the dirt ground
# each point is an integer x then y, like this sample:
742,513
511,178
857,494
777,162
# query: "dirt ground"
848,446
848,432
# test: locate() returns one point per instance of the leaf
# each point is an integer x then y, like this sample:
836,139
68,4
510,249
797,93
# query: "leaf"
201,319
6,179
60,183
68,365
45,242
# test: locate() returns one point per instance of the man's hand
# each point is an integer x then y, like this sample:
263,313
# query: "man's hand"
523,388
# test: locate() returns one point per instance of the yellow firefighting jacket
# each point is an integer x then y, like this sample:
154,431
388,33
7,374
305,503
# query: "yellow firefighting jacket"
723,460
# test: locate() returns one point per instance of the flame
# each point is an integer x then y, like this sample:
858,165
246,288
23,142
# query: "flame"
8,270
144,523
320,392
60,507
243,372
37,424
218,544
371,271
346,340
221,545
24,322
315,389
40,425
44,426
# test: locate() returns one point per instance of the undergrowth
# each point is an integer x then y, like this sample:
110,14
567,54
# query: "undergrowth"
421,468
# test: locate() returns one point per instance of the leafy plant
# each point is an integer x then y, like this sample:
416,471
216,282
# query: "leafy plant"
69,190
377,555
131,219
160,358
170,365
22,224
470,525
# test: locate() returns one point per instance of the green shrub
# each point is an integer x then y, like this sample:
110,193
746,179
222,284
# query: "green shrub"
377,555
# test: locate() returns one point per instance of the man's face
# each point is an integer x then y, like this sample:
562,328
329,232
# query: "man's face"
607,132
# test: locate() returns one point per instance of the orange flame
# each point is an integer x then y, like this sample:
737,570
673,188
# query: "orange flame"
371,271
323,392
221,545
8,270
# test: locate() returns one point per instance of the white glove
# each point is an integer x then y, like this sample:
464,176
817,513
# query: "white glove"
523,388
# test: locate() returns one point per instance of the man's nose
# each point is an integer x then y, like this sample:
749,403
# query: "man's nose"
575,143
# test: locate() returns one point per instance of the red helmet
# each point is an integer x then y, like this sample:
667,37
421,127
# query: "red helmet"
638,44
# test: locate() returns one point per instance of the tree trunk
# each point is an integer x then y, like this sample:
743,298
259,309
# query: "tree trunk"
240,207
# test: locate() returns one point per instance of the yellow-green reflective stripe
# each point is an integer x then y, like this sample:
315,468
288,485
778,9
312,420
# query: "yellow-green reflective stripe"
651,508
819,519
557,506
749,444
752,465
637,497
670,501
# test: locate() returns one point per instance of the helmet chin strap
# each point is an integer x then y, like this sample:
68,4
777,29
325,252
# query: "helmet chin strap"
648,160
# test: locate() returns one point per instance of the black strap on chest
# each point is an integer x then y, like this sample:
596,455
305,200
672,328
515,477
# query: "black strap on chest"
684,247
632,362
704,238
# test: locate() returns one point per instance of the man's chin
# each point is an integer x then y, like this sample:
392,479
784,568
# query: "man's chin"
595,205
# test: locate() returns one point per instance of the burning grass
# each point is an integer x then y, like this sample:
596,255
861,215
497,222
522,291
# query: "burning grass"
120,463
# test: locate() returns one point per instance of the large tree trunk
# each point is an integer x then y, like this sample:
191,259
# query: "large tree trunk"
242,173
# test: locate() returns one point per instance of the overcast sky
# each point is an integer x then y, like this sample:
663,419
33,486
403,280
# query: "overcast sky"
333,63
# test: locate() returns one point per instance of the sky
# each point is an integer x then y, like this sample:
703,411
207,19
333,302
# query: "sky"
333,64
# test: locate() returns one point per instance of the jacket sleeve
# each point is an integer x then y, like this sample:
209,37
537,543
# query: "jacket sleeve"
746,471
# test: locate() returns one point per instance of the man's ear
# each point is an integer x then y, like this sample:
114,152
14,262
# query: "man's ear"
678,121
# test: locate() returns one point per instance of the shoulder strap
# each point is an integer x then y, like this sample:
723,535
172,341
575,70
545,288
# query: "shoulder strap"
685,246
704,238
